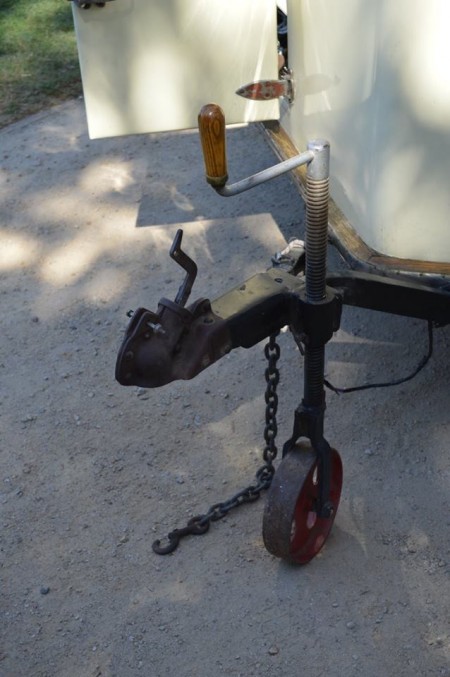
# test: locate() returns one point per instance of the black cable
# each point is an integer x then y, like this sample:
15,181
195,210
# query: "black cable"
366,386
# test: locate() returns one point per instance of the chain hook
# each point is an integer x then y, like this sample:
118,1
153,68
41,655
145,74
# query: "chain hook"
200,524
174,541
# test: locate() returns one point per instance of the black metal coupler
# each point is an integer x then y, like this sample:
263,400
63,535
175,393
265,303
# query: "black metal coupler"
318,321
178,343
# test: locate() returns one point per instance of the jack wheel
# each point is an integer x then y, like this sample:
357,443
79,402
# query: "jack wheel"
292,529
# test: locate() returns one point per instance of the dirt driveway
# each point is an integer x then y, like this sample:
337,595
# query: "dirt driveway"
92,473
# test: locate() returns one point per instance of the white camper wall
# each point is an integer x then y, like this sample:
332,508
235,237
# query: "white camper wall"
150,65
373,78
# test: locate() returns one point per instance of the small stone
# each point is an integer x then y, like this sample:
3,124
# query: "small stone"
274,650
28,419
351,625
368,452
44,590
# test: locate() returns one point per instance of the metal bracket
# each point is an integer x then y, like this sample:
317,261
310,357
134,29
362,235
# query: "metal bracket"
264,90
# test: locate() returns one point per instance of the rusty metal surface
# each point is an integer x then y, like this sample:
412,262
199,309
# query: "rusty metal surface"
175,343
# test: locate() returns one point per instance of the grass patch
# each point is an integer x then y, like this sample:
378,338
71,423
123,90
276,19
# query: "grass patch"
38,56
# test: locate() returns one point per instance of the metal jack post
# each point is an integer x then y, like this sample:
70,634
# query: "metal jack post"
305,491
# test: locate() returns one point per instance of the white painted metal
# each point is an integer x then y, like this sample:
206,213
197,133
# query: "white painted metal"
150,65
373,77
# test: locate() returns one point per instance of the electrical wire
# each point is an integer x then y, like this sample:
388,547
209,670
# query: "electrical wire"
367,386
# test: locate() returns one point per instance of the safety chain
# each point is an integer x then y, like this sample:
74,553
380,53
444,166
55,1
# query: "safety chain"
200,523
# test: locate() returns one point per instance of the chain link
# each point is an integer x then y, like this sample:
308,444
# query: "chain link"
200,523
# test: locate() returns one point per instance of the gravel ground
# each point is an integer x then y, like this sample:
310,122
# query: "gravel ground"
92,473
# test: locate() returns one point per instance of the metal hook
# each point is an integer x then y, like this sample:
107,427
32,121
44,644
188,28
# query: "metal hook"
159,549
196,526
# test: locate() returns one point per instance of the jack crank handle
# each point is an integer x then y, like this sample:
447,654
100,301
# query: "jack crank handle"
211,124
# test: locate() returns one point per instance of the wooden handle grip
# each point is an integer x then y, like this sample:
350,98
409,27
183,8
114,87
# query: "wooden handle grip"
211,124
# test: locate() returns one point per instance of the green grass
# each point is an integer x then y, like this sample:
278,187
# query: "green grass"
38,56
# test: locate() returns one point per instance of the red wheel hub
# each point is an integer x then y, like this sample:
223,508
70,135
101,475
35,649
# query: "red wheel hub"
292,529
